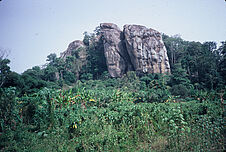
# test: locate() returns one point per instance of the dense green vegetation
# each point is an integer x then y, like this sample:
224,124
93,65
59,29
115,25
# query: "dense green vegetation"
70,106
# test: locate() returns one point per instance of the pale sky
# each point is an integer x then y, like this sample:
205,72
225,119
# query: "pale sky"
32,29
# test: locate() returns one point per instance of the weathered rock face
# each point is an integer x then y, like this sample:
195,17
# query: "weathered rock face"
136,48
146,49
114,50
78,50
77,44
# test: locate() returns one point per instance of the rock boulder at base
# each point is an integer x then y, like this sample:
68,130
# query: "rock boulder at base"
146,49
114,49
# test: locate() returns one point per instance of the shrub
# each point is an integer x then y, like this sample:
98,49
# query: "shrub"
180,90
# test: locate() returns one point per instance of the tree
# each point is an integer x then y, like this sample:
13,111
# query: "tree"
51,58
176,48
191,59
222,60
50,73
179,76
86,38
33,80
35,72
180,82
207,66
4,67
60,65
14,80
96,62
74,63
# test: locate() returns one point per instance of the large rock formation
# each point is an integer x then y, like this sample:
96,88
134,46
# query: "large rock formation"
115,52
136,48
146,49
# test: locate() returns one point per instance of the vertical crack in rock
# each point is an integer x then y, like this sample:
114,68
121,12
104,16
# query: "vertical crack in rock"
114,50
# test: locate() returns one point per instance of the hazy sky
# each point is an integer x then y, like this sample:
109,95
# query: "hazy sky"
32,29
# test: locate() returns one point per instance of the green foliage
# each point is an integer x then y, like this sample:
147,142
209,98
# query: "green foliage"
9,109
180,83
51,58
14,80
86,38
203,62
222,60
96,62
180,90
102,119
152,112
4,70
69,77
176,48
156,88
50,73
86,76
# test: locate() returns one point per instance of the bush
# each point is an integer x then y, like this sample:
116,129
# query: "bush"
180,90
69,77
109,115
9,109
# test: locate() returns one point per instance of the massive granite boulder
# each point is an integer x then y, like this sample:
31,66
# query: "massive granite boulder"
136,48
146,49
115,52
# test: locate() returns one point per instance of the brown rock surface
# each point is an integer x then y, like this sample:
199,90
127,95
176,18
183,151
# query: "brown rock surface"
78,50
136,48
114,49
77,44
146,49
